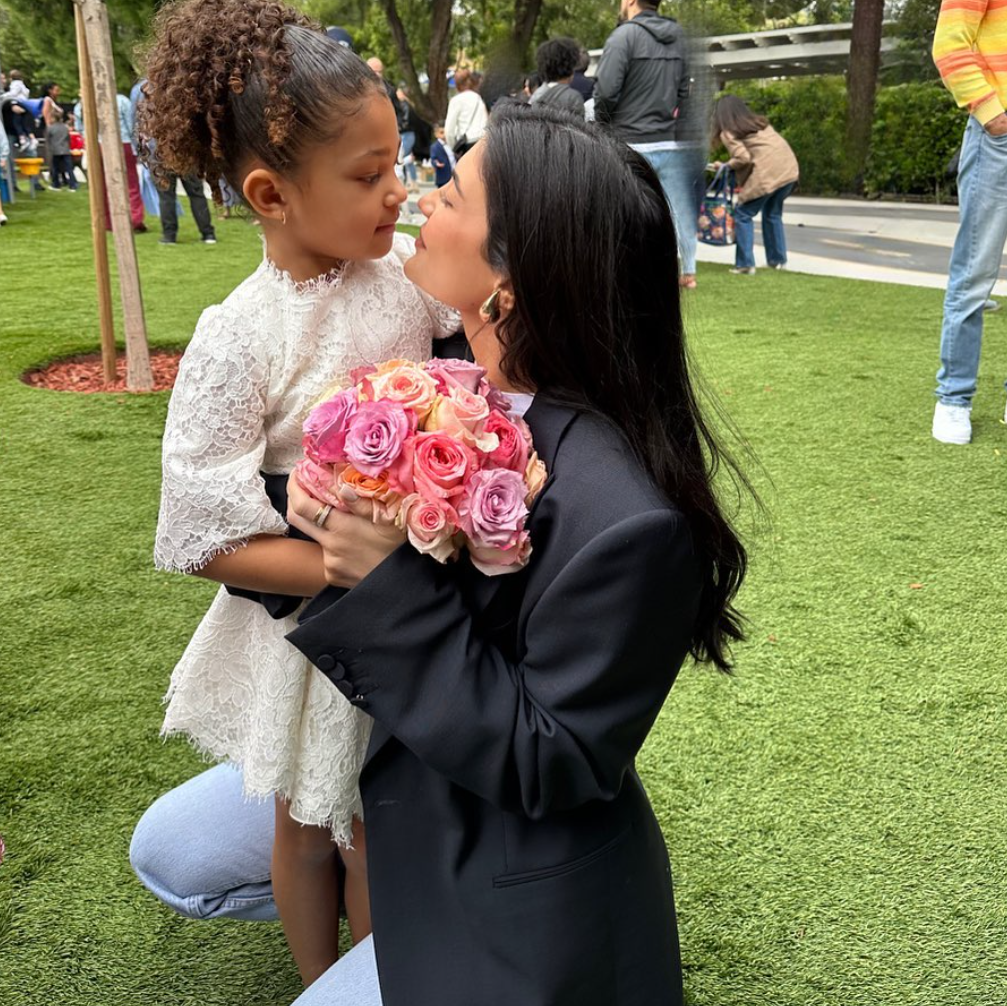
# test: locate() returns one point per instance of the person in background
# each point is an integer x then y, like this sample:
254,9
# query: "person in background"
132,176
467,115
767,172
50,103
442,157
556,60
642,84
23,121
4,158
531,84
58,141
970,51
407,137
582,84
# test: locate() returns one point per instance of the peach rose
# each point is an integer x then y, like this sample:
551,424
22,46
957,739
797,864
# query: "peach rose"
406,383
321,481
429,527
534,477
462,414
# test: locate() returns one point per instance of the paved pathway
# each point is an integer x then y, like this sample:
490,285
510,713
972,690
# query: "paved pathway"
908,243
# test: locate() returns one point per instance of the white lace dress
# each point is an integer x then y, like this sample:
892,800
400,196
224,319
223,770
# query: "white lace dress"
255,366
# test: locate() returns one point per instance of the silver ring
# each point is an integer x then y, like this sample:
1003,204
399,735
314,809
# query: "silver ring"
322,516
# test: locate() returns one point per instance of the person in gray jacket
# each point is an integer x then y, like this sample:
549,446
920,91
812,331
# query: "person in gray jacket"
557,60
641,90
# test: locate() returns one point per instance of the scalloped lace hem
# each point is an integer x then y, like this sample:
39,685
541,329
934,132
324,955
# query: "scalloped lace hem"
339,823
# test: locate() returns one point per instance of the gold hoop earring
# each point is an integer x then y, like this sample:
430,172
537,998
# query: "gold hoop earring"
491,307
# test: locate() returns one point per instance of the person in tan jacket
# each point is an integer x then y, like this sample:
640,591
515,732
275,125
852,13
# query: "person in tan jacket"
767,172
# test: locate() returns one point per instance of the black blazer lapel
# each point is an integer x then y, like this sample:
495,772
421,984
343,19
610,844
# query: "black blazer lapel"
548,421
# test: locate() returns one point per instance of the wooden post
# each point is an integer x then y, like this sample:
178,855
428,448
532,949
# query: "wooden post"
99,44
96,195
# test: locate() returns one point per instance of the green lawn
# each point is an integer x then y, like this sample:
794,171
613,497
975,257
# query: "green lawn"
835,812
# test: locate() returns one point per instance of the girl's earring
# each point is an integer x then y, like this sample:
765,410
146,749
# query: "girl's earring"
491,308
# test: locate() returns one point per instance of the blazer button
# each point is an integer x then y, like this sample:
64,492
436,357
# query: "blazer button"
325,662
338,672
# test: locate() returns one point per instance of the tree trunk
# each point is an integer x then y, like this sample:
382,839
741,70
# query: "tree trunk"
861,86
526,14
99,43
432,105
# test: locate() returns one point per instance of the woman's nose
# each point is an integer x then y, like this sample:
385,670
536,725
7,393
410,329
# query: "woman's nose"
426,204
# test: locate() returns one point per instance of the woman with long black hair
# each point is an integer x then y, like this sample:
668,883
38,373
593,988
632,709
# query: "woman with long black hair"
513,855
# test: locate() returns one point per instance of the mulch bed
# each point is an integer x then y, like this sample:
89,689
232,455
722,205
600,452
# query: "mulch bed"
86,375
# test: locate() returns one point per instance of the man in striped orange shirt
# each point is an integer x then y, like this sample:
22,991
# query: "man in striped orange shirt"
970,51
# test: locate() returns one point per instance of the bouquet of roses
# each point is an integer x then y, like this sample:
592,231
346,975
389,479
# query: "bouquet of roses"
438,451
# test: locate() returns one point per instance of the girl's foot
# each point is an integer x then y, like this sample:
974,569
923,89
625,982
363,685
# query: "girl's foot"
743,271
3,220
687,282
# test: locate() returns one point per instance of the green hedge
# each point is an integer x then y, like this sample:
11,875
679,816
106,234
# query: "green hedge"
917,129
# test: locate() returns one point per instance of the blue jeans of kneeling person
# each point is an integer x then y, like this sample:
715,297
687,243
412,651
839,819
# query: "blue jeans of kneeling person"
205,851
975,260
773,239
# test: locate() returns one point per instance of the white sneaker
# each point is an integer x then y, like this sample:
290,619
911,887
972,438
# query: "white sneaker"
952,424
3,220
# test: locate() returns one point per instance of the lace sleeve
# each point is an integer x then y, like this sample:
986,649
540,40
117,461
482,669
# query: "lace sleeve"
445,320
212,496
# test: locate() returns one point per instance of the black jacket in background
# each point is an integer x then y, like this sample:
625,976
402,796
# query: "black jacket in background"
513,855
642,78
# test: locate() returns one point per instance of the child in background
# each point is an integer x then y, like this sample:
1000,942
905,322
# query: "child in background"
58,139
329,296
24,121
441,157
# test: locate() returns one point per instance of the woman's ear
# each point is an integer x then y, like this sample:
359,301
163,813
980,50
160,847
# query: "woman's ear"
265,193
505,298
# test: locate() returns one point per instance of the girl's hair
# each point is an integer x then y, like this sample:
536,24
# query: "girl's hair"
557,59
590,253
230,82
732,115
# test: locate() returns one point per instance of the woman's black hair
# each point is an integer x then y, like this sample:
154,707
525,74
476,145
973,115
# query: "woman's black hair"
231,82
590,253
557,59
732,115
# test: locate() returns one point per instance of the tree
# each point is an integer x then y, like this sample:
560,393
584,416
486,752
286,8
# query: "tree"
861,86
433,104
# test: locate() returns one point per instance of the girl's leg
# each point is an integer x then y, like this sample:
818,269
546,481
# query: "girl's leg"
306,890
356,893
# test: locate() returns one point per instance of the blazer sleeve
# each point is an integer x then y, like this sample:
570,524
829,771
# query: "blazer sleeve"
558,729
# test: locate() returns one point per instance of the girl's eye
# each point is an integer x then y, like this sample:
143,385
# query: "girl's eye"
371,179
444,199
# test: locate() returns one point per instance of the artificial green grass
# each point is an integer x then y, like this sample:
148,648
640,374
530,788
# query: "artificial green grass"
835,812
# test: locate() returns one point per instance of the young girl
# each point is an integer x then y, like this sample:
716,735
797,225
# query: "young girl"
249,91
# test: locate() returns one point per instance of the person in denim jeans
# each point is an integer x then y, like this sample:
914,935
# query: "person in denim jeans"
767,172
967,43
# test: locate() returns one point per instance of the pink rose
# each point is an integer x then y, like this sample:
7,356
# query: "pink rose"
495,398
430,527
492,511
441,465
376,435
494,562
455,374
321,481
512,451
404,382
325,428
358,375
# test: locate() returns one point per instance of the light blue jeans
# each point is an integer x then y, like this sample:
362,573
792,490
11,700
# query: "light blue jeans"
975,260
774,241
679,170
204,850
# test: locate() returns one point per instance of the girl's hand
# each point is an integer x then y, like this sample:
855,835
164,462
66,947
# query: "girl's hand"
353,543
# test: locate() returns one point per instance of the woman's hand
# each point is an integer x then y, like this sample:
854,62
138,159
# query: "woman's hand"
353,543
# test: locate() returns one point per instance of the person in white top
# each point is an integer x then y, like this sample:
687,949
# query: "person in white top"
467,115
329,296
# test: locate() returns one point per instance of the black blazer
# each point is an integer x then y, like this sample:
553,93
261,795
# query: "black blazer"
513,856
